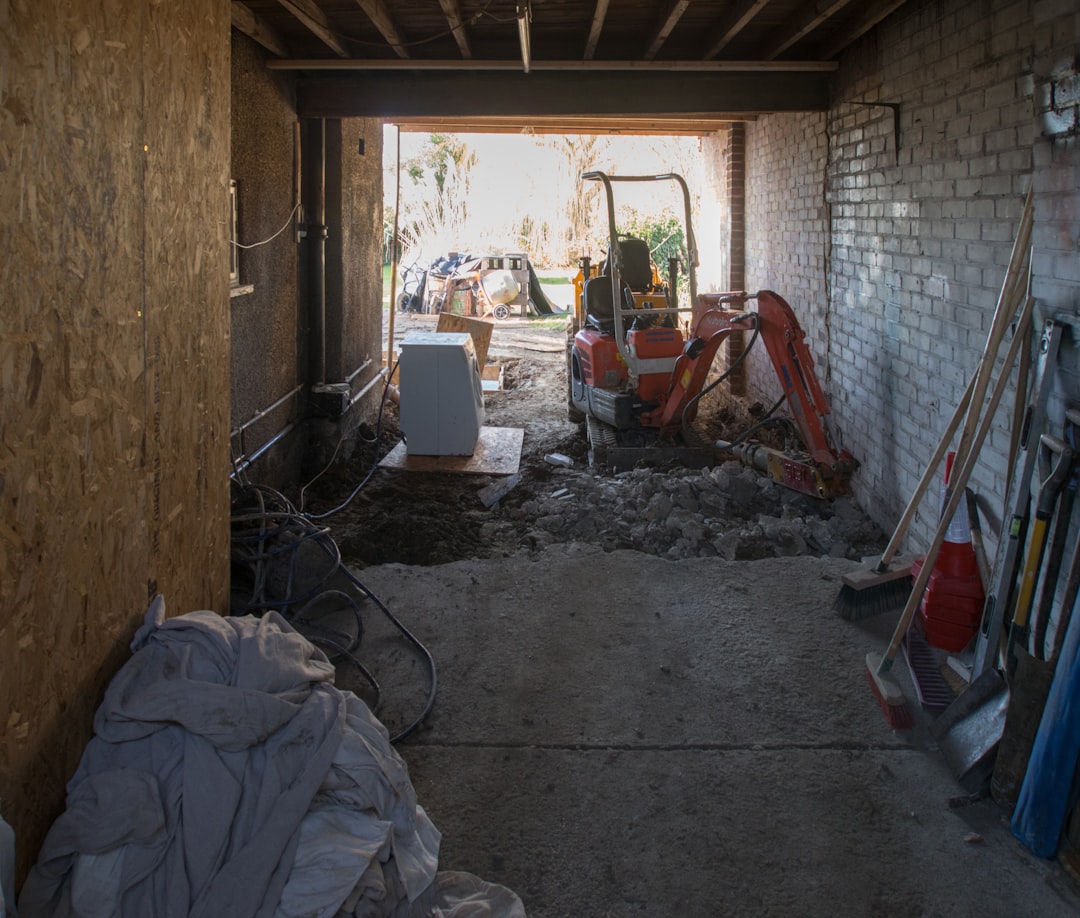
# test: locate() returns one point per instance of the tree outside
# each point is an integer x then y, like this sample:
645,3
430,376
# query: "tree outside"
490,194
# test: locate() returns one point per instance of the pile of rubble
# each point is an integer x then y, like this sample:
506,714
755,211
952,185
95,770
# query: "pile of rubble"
729,511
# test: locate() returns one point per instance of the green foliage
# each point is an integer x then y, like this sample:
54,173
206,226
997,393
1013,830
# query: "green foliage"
663,233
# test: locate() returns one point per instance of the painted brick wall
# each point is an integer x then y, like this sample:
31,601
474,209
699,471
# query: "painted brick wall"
919,235
787,236
1056,163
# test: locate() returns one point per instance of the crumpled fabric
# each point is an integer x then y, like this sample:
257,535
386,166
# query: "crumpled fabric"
229,778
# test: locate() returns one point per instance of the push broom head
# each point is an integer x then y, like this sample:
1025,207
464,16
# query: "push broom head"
880,589
888,694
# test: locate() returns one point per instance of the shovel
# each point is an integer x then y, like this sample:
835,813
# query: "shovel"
1031,673
969,730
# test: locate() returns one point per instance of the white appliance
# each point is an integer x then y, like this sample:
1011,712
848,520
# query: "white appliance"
441,400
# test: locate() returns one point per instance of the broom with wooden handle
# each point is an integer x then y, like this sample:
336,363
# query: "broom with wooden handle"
886,585
886,690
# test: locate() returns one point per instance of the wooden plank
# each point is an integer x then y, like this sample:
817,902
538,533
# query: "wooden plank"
619,125
733,23
666,27
807,18
258,29
479,329
452,11
595,28
866,19
498,452
315,19
377,13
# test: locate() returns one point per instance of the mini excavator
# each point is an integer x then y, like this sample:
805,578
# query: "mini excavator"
638,363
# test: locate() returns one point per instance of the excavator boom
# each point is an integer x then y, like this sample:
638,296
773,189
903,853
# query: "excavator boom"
825,471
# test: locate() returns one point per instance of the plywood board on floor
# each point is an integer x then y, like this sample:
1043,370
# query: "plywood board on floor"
498,452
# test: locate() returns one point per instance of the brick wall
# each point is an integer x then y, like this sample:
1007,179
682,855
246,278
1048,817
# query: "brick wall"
893,256
1056,163
786,236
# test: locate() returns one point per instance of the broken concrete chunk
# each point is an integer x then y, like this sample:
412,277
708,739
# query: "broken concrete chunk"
491,494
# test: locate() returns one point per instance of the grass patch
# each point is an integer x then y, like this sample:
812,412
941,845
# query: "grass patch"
554,281
558,321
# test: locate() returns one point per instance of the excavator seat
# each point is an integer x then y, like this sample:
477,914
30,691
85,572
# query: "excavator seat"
636,264
599,311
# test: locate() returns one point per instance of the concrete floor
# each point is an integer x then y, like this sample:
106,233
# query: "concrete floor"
616,734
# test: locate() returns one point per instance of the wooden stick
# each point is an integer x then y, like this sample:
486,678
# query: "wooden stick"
1003,316
955,493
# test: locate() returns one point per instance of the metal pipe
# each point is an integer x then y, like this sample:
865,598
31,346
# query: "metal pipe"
360,369
259,415
243,463
368,386
317,252
394,254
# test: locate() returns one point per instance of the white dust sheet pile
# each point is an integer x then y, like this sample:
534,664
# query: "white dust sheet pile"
228,777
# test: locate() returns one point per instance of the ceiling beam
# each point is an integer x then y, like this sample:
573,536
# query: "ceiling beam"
867,18
665,29
258,29
449,94
808,17
658,125
599,15
585,67
315,19
376,12
452,11
738,19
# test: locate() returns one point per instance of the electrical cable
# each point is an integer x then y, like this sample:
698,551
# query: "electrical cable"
716,382
768,419
374,462
268,535
471,19
255,245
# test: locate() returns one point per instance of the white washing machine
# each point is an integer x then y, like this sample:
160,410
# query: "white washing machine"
441,401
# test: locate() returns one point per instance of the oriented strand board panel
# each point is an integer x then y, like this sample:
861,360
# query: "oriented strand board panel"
113,350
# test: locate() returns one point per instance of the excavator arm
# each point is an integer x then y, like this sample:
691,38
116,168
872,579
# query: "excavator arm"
822,470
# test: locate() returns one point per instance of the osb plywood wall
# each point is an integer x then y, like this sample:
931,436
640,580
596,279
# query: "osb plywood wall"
362,245
114,346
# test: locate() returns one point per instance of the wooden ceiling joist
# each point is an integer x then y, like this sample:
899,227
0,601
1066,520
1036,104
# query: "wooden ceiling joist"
584,67
258,29
741,15
808,18
597,26
452,11
867,18
666,27
377,13
315,20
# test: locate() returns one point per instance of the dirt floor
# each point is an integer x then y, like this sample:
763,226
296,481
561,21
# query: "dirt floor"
433,518
645,703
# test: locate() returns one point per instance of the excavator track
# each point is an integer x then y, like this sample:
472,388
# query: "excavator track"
605,448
